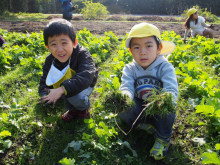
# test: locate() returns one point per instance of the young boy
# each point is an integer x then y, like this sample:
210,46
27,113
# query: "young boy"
149,70
68,72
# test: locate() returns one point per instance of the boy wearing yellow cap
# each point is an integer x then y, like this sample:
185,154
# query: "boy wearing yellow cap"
149,70
197,25
68,72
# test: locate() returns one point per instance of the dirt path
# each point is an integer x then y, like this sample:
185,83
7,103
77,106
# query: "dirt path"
96,27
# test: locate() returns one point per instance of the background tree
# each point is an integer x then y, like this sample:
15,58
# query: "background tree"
153,7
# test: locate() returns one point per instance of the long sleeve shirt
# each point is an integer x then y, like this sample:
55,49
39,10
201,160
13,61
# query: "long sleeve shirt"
139,82
196,28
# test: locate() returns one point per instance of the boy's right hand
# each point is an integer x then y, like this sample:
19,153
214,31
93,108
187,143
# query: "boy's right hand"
53,96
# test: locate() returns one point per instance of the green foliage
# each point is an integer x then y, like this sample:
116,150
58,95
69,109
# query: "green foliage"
210,109
99,47
4,142
116,101
66,161
94,10
210,158
31,133
160,103
22,49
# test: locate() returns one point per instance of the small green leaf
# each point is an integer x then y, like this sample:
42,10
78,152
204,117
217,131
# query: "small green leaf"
217,146
205,109
5,133
209,158
66,161
7,143
201,123
188,80
116,83
76,145
85,155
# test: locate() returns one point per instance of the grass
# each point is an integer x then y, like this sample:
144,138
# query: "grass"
24,17
43,136
39,135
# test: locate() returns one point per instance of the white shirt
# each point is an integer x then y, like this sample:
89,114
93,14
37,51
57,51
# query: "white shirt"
195,28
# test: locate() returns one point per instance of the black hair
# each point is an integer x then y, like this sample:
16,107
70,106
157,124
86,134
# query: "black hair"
156,39
58,27
187,22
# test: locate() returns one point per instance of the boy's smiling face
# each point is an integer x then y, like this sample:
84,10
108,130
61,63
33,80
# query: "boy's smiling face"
144,50
61,47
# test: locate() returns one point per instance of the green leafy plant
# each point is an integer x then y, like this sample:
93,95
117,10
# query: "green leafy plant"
94,10
66,161
4,142
210,158
159,104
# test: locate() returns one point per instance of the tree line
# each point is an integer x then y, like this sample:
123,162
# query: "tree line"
154,7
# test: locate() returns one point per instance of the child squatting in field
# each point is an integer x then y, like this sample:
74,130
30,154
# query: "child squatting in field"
197,25
149,70
68,72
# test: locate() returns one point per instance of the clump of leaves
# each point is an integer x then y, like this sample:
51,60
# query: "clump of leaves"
159,104
117,101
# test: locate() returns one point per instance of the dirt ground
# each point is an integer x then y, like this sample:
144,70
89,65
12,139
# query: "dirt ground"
100,27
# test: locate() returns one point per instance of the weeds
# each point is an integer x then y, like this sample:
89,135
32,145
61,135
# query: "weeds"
33,134
159,104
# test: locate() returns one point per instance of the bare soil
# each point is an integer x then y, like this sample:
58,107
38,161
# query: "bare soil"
115,25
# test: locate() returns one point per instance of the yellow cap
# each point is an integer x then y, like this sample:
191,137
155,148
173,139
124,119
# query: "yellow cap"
191,11
146,30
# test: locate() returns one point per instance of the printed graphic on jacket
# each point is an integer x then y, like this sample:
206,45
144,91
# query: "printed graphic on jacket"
145,85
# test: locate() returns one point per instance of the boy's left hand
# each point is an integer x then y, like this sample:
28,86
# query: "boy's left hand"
53,96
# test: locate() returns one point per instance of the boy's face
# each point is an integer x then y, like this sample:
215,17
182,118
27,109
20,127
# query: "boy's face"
144,50
61,47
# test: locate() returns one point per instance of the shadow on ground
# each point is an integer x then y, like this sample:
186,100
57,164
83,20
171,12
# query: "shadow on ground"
56,135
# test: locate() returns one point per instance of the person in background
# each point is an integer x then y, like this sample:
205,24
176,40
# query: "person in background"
2,41
67,9
197,25
149,70
68,72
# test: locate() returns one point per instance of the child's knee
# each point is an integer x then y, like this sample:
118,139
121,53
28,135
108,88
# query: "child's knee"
79,102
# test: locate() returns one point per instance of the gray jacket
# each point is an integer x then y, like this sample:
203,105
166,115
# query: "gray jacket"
137,82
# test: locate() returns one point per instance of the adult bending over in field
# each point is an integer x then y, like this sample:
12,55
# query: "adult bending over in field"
197,25
67,9
68,72
149,71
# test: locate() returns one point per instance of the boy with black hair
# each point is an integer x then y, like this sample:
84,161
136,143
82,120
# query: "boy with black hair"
68,72
149,70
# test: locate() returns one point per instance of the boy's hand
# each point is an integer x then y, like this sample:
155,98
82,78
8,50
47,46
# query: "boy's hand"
53,96
126,100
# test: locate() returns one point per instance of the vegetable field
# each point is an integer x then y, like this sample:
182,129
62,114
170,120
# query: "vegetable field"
33,134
